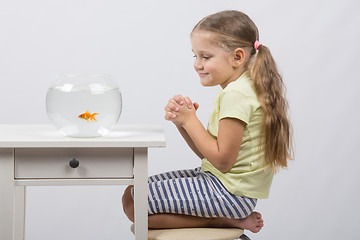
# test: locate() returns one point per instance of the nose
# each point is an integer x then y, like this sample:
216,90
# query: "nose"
198,65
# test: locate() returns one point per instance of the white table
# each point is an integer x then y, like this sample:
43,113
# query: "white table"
38,155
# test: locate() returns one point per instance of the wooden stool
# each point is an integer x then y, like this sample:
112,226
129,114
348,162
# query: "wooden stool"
196,234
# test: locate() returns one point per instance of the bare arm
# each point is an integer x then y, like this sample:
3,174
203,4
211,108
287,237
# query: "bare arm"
171,110
221,152
189,141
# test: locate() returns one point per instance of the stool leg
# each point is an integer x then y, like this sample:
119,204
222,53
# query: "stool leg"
244,237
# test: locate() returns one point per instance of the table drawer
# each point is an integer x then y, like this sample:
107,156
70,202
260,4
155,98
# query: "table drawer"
55,163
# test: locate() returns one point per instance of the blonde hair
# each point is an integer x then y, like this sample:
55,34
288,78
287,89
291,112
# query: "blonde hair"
234,29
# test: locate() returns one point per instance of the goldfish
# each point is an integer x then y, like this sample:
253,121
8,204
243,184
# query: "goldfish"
88,116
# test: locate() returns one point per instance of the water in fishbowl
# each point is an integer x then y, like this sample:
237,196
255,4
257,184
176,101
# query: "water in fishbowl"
83,108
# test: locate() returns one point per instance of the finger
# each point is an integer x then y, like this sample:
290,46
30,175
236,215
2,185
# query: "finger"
196,106
174,101
188,102
170,111
171,106
169,116
179,99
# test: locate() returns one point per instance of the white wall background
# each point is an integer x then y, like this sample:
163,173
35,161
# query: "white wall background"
145,46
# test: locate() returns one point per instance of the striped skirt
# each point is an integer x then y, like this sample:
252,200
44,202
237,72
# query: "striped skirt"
197,193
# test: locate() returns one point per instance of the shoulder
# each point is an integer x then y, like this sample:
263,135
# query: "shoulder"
238,100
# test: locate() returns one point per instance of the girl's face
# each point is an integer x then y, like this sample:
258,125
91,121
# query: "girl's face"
213,63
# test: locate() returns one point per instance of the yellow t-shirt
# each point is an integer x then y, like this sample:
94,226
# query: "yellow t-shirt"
249,176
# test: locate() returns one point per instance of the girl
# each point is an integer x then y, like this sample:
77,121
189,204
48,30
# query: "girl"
247,139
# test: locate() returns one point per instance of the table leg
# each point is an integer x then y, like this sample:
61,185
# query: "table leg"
19,213
140,193
7,195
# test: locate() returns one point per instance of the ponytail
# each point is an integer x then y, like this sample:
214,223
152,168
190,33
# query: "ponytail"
276,128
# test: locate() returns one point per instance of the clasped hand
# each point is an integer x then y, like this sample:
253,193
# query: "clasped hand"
180,110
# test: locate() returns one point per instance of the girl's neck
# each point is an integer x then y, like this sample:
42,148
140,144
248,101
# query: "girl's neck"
234,78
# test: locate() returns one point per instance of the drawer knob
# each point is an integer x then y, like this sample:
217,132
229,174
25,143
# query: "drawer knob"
74,163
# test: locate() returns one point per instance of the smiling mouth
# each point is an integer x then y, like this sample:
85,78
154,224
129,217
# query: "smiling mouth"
202,74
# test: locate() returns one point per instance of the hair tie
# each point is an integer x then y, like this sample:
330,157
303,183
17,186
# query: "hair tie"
257,44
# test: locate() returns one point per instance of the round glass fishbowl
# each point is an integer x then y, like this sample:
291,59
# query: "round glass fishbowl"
84,105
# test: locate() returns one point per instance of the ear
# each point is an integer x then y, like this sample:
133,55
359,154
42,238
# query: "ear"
238,57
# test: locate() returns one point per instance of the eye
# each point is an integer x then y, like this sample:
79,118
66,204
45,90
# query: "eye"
206,57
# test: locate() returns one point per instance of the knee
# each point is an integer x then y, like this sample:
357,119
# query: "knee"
128,203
